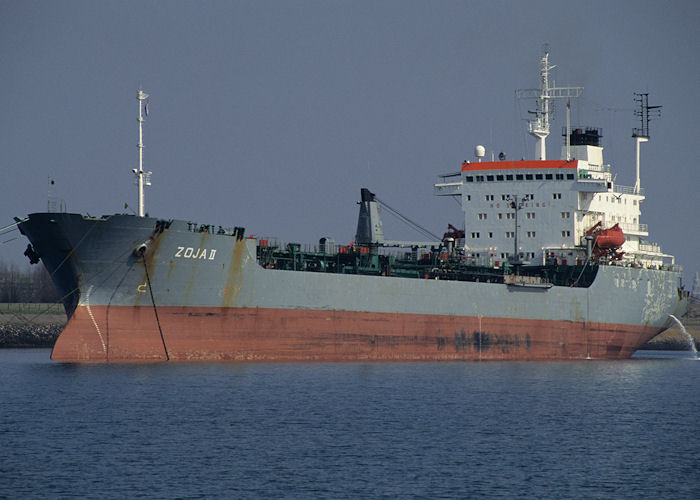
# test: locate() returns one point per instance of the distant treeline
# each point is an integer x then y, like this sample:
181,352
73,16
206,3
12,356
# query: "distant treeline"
31,284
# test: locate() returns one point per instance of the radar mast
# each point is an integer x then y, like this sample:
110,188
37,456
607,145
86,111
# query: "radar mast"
539,126
641,134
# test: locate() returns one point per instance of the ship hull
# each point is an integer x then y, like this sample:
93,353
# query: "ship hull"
133,334
138,291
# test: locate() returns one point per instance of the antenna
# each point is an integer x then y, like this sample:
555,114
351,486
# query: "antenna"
539,126
142,178
640,135
645,113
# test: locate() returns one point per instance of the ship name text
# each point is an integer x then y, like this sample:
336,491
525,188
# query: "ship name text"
195,253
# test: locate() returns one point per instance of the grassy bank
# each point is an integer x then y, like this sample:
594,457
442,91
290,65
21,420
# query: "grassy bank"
30,324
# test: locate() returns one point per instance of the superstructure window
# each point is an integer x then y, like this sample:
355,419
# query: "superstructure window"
570,177
530,215
538,177
475,235
510,234
489,197
499,177
565,215
518,177
549,177
489,177
528,177
500,216
509,177
531,234
503,197
479,178
560,177
470,178
556,196
482,216
565,234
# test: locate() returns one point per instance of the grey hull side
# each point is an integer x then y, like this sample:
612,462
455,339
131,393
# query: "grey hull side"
95,261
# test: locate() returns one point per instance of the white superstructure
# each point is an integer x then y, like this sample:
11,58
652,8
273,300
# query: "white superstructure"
555,203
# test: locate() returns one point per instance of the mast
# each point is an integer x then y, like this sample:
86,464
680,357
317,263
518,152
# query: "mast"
641,134
517,203
539,126
142,178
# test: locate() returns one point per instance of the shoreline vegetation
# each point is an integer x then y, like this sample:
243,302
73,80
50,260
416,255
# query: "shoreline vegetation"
39,325
30,324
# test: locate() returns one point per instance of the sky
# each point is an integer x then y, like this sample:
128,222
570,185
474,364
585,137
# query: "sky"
273,114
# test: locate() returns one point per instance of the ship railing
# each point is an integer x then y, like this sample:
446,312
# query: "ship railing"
627,190
633,228
649,247
351,248
194,227
56,205
448,185
596,168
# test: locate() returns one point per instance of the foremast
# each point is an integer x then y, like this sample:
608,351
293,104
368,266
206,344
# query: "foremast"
142,178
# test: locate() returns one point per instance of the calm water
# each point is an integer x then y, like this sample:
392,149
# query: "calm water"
434,430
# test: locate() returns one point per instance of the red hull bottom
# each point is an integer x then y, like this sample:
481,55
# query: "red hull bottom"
133,334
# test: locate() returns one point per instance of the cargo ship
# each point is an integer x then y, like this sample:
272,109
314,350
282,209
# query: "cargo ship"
552,262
